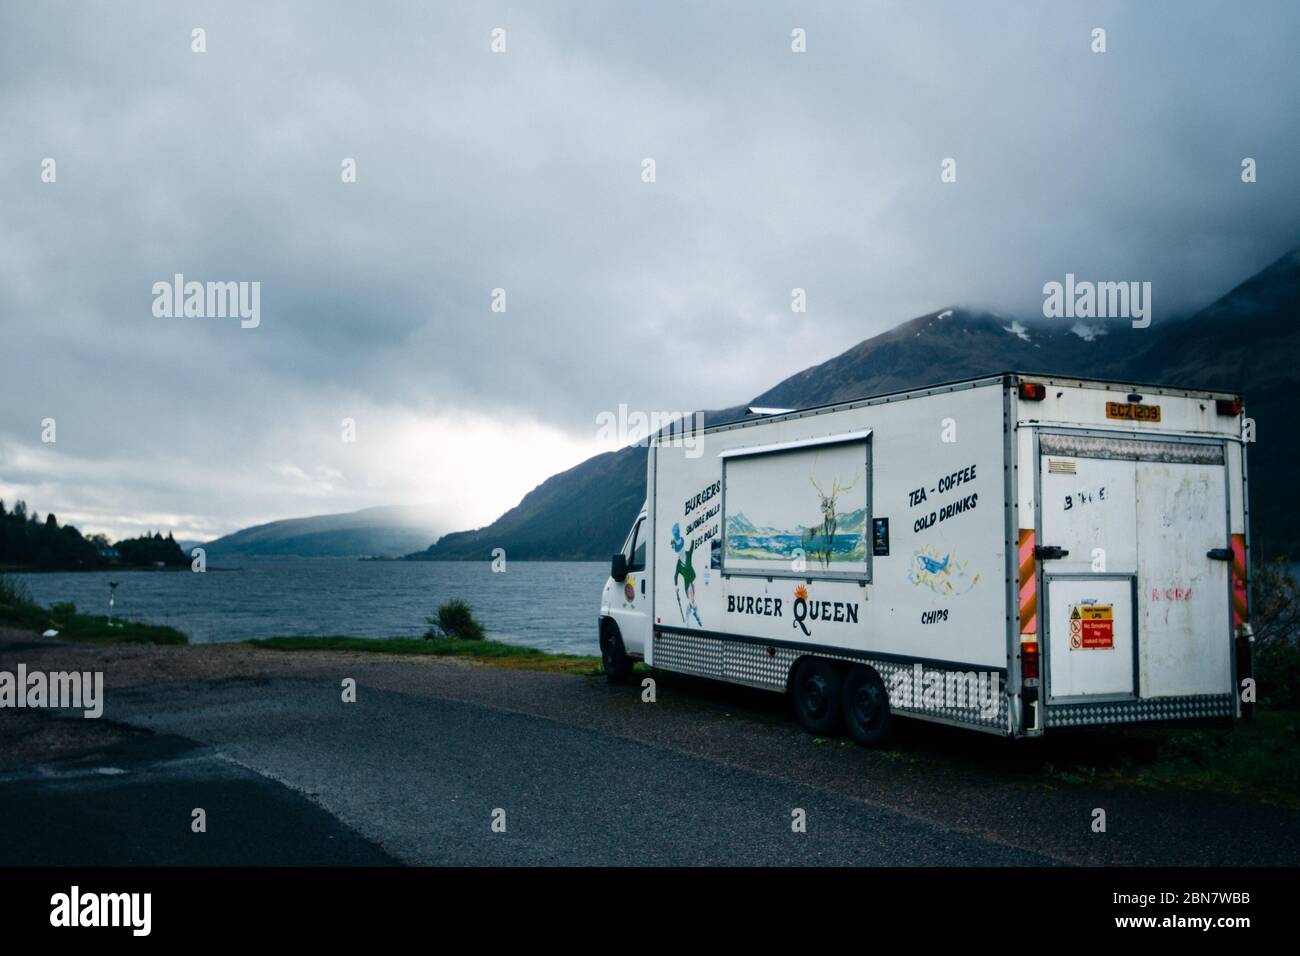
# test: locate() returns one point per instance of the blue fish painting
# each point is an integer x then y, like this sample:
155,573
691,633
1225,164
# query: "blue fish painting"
941,574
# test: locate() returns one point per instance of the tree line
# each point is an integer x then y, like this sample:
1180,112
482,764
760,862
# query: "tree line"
28,542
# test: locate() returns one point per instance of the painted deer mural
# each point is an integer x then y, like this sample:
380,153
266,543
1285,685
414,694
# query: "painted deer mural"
828,518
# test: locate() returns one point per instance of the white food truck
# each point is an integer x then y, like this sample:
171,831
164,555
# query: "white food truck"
1014,554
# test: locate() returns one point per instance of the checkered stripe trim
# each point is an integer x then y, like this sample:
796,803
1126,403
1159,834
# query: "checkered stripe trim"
769,668
1133,711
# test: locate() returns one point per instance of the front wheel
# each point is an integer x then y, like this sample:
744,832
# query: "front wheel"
866,707
816,692
618,666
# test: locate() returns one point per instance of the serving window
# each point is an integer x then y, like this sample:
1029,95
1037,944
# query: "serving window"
798,509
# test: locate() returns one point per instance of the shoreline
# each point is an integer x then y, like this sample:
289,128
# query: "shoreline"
72,627
108,569
487,651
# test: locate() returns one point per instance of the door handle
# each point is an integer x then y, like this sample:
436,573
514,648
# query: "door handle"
1048,552
643,585
1219,554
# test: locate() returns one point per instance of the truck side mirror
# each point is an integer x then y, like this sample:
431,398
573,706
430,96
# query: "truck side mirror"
618,567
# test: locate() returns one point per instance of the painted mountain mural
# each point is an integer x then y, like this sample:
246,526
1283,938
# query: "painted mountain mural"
1247,341
765,543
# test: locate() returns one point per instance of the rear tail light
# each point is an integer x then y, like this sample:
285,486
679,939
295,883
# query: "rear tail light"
1033,391
1029,660
1228,406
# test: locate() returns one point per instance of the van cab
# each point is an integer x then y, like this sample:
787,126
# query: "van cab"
625,603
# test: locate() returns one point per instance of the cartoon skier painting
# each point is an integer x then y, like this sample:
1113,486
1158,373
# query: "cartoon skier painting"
686,571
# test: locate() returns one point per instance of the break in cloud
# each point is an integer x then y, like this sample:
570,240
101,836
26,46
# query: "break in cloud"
522,171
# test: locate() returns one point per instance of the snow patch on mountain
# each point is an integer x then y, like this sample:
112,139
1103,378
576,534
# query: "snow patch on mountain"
1089,333
1018,330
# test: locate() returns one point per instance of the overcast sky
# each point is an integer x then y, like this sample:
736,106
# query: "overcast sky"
523,171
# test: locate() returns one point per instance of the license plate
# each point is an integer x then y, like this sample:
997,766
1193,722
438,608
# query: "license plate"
1133,412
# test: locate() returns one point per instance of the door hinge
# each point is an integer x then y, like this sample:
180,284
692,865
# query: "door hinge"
1049,552
1219,554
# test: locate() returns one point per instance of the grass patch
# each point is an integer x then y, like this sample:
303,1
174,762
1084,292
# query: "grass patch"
100,630
17,608
495,653
1258,759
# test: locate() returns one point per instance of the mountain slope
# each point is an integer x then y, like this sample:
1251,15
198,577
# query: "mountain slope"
953,344
1248,340
582,514
572,516
378,532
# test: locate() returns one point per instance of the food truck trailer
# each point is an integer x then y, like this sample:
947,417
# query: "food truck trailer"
1014,554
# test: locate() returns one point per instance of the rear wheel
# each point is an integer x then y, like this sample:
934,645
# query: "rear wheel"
816,689
866,707
618,666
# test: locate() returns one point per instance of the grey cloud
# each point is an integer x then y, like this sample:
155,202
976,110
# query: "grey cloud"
522,171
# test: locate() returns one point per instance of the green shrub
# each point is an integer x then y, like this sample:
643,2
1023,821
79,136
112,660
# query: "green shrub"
1275,615
1277,669
455,619
13,593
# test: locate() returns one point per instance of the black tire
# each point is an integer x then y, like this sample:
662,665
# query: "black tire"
865,702
816,692
618,666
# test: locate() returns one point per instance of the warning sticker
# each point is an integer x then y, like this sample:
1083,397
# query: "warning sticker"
1092,626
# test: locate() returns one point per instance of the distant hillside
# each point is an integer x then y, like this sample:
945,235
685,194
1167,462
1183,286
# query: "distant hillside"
568,517
372,532
1248,340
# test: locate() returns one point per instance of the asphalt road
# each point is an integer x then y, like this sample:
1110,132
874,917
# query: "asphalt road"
417,769
423,778
132,803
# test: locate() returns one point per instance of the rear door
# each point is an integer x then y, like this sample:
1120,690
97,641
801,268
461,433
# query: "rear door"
1138,608
1185,621
1089,512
